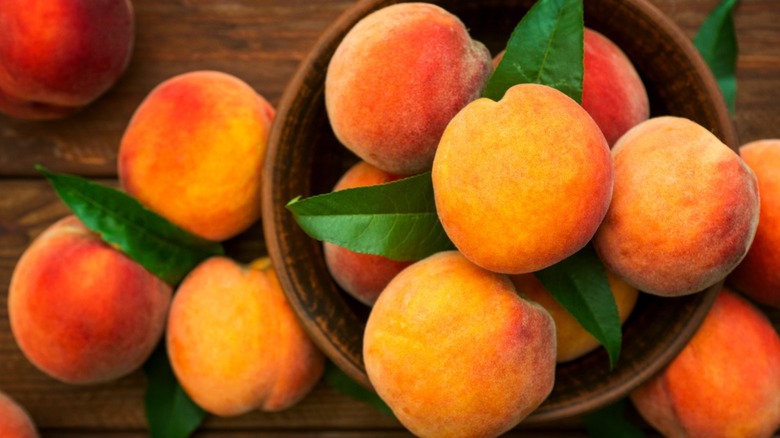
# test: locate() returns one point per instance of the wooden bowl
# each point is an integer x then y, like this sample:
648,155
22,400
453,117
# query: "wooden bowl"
304,158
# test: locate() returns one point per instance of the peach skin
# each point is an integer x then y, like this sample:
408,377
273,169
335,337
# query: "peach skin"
455,352
724,383
363,276
522,183
684,209
389,97
572,339
57,56
14,420
80,310
758,275
235,344
194,150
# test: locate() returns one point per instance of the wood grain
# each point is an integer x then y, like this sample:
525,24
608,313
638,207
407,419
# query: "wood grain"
261,41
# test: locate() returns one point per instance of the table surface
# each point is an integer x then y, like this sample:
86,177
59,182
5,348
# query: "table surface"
262,42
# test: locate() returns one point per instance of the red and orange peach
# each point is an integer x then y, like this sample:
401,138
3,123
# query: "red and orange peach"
684,210
454,351
234,342
522,183
57,56
396,80
194,151
80,310
363,276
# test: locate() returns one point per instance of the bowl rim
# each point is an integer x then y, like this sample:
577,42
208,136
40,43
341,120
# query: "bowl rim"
327,42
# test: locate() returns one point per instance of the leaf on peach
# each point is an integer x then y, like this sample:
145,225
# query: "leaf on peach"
545,48
397,220
158,245
579,284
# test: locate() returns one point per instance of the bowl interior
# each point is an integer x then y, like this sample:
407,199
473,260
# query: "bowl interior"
304,158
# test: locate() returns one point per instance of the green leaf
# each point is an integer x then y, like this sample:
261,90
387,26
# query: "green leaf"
611,421
344,384
161,247
717,43
545,48
170,413
397,220
579,283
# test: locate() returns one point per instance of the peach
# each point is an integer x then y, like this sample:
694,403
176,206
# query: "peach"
57,56
724,383
194,150
612,91
758,275
14,420
684,209
397,78
80,310
522,183
235,344
572,339
455,352
363,276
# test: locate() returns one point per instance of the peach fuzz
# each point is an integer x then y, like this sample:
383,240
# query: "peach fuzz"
194,150
80,310
455,352
363,276
612,91
684,208
57,56
572,339
522,183
389,97
14,420
234,342
758,275
724,383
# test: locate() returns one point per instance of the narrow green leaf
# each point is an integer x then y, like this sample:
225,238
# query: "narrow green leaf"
397,220
545,48
170,413
579,283
344,384
612,421
717,43
151,240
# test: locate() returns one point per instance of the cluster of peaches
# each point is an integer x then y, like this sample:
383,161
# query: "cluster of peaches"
82,311
465,342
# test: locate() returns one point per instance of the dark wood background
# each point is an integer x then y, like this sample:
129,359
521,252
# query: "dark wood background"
262,42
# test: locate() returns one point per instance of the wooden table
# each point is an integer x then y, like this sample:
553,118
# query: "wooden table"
262,42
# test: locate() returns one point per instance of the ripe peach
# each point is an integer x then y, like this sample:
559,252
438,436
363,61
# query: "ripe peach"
194,151
572,339
724,383
80,310
397,78
14,420
454,351
612,91
57,56
234,342
684,210
363,276
758,276
524,182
